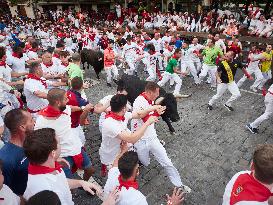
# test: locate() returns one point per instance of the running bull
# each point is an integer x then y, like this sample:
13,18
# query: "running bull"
93,58
134,86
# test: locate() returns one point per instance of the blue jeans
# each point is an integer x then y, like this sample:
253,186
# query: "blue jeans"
85,164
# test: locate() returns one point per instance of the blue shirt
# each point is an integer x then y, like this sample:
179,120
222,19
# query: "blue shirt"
178,44
15,167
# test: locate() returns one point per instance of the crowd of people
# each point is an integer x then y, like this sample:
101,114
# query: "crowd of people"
43,105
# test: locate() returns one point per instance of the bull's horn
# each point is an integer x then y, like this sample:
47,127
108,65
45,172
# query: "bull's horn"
182,96
159,100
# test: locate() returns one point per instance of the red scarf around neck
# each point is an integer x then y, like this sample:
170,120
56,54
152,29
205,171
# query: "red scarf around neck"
38,169
65,64
127,184
3,63
16,55
115,116
34,77
33,49
48,64
56,55
146,98
50,111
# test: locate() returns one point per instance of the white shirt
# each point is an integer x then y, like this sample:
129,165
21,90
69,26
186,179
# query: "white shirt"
70,144
32,55
34,103
5,73
105,102
220,43
158,44
129,51
129,196
110,145
9,197
228,190
17,64
52,182
141,104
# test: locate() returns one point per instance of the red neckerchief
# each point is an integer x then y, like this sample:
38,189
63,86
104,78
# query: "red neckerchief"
56,55
3,63
50,111
146,98
247,188
48,64
174,56
155,113
65,64
34,77
115,116
38,169
127,184
33,49
16,55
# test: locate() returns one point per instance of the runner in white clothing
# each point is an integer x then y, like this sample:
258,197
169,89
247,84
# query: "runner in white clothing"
253,187
149,143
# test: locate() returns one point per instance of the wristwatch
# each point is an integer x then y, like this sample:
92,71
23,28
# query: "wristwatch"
82,107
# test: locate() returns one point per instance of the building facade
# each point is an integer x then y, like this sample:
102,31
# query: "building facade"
28,7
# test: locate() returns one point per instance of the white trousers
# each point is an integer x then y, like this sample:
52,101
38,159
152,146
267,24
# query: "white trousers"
211,69
268,101
153,146
168,76
160,62
152,73
131,65
188,65
221,89
258,76
109,70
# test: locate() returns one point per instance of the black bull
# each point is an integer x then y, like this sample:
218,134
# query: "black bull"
134,86
93,58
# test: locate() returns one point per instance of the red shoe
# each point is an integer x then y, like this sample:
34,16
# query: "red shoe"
103,171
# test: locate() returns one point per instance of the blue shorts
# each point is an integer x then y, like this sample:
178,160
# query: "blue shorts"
85,164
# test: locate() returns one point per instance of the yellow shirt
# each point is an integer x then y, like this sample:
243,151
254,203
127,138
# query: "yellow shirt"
266,64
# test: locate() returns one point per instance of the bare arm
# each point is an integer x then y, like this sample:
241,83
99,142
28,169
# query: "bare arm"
88,108
16,75
40,94
135,136
99,108
142,113
87,186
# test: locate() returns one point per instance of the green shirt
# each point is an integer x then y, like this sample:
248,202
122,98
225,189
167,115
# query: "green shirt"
74,71
210,55
171,65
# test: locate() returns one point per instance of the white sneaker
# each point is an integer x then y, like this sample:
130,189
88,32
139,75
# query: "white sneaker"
253,89
186,189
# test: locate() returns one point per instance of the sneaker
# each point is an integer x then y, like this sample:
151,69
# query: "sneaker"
109,85
252,129
228,107
253,89
209,107
185,189
162,142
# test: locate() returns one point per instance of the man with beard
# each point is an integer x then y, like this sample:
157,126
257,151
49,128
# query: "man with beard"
15,163
57,115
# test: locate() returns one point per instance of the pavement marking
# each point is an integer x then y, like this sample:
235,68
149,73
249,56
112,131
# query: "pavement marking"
251,92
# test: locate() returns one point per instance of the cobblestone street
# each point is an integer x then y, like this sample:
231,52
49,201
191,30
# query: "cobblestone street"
208,149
